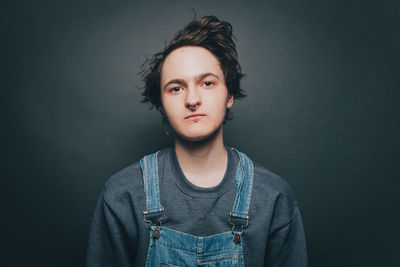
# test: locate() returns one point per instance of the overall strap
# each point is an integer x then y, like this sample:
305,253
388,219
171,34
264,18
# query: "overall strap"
154,212
244,183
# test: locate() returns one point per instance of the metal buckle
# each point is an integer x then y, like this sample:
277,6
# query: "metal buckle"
242,226
146,212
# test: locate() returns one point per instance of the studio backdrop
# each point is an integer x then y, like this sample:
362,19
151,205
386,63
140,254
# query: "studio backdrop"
322,106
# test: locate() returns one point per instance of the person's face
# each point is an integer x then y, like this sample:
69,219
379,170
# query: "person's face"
190,76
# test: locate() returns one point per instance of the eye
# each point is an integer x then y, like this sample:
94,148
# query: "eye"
175,89
208,83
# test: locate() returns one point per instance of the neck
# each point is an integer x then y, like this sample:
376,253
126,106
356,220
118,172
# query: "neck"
204,162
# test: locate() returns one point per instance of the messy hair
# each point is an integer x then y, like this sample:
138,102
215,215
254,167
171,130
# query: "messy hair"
207,32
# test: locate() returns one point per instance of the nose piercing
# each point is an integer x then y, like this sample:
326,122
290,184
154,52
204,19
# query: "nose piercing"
193,108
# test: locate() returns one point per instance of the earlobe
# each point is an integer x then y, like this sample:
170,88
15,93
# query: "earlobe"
229,103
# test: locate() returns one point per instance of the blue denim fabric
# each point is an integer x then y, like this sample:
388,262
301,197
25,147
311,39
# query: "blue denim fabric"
150,177
169,247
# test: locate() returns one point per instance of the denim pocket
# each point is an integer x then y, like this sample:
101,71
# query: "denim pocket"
162,264
221,261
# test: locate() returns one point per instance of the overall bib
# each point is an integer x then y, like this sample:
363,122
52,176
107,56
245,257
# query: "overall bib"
169,247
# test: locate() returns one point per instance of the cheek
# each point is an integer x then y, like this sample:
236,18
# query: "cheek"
168,105
173,112
218,105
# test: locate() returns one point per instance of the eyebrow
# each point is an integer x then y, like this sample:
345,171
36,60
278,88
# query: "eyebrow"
198,77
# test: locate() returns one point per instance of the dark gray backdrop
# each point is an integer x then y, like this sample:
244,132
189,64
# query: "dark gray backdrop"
322,112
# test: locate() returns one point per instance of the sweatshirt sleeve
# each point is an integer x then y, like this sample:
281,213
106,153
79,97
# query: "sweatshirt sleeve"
108,244
287,244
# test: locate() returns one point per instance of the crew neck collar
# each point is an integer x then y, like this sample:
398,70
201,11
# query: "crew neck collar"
195,191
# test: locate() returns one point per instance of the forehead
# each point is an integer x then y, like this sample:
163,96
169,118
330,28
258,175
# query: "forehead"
187,62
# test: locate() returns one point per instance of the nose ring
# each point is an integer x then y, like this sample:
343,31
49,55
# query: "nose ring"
193,108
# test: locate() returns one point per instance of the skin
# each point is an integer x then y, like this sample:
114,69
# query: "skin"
190,76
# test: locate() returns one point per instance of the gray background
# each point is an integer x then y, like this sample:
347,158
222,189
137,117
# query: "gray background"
322,112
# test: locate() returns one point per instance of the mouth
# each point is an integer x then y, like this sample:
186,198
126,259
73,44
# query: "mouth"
195,116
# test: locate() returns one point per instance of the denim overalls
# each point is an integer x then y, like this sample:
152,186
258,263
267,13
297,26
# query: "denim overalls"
169,247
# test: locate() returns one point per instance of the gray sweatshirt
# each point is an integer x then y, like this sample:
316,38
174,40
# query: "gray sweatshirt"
120,237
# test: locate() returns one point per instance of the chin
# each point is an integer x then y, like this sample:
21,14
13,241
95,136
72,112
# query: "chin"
198,136
193,138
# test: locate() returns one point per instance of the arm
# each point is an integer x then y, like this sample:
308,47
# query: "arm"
287,244
108,244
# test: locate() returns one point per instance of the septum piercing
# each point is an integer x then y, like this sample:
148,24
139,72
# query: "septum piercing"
193,108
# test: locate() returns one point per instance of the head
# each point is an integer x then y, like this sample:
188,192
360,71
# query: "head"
212,38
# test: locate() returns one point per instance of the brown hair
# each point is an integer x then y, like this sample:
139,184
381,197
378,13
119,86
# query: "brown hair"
208,32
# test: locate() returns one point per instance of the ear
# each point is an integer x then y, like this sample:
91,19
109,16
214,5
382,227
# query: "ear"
229,103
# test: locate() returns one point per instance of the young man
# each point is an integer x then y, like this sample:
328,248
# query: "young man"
198,203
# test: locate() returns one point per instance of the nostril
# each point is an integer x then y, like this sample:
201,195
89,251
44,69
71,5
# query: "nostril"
192,107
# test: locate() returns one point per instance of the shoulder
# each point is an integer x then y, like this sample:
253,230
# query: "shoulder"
123,183
273,193
127,184
271,183
268,182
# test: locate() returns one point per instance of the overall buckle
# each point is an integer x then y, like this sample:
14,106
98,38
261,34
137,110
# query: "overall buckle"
151,217
244,225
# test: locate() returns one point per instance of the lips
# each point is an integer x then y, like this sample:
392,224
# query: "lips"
194,116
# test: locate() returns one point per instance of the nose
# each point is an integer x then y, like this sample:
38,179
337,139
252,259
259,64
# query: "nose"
193,99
